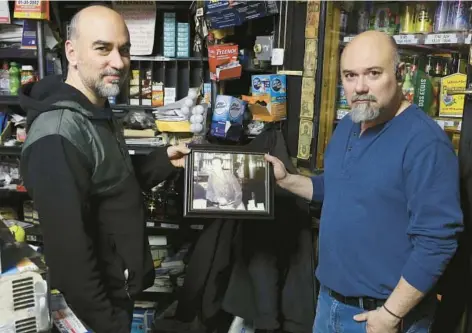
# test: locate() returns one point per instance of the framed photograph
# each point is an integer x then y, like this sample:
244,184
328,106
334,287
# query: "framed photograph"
228,182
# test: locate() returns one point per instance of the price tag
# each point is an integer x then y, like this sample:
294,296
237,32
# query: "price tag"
406,39
131,152
441,39
150,224
468,39
348,39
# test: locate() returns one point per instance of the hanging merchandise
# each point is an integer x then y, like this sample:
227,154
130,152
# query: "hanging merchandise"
38,10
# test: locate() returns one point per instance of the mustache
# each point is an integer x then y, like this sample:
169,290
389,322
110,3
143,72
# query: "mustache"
369,98
112,72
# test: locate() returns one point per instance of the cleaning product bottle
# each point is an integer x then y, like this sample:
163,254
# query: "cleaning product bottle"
14,78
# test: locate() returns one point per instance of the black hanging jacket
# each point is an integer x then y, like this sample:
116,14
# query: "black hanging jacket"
88,194
262,271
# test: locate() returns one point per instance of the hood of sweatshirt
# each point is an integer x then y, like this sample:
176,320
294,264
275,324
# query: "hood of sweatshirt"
52,93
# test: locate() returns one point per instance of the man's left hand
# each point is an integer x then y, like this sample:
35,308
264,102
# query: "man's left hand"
177,154
379,321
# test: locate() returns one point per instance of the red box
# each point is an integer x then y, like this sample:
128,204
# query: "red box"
223,62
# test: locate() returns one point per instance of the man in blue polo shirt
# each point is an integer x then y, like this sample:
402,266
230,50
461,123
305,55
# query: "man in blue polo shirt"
390,190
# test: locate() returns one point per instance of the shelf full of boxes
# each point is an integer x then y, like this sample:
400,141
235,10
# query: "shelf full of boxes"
434,45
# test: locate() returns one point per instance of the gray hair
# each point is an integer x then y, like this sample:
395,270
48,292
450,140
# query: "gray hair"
396,56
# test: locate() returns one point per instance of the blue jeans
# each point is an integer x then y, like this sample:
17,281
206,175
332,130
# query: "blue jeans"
335,317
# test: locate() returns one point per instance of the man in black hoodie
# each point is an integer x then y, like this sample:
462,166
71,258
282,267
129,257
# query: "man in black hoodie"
85,186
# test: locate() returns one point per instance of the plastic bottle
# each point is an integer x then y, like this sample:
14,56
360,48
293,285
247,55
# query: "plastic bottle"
14,78
4,80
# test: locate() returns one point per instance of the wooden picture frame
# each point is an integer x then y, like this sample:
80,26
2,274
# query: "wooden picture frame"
228,182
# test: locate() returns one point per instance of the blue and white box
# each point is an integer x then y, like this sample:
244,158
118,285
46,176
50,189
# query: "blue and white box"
228,113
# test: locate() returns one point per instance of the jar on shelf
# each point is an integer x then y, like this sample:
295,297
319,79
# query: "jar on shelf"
27,74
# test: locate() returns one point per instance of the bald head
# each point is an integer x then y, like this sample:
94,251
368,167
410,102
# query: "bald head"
374,41
368,70
87,16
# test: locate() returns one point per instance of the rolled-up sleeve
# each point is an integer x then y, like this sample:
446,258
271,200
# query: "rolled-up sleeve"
432,189
318,188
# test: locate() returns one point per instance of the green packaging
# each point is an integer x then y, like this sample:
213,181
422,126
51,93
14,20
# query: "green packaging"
426,93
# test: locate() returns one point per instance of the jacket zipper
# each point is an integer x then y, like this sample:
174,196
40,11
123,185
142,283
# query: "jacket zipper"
126,273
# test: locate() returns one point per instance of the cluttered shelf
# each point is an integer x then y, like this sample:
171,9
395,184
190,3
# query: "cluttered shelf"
453,39
9,100
434,43
17,53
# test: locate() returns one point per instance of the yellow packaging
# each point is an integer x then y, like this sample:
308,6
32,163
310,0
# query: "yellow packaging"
407,18
157,94
452,105
423,18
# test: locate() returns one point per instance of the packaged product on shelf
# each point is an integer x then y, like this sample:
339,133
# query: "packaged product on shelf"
37,10
275,87
223,62
407,18
169,95
423,18
157,94
227,117
4,81
452,105
458,16
386,19
134,87
426,93
169,35
14,78
207,94
27,74
146,88
440,17
408,87
183,40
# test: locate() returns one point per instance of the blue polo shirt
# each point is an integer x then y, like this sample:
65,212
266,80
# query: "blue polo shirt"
390,206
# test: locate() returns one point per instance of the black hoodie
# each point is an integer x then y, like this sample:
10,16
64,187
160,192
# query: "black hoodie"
88,194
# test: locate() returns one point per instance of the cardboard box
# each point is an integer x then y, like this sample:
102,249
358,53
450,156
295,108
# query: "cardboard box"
228,113
274,86
230,15
223,62
217,6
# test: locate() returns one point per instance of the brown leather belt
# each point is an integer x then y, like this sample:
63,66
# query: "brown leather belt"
366,303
